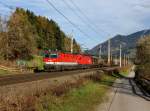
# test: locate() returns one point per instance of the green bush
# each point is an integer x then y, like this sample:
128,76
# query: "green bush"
36,62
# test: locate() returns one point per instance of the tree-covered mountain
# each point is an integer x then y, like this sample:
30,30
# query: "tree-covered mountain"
26,33
128,43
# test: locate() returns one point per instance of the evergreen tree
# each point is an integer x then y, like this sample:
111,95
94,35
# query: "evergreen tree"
27,32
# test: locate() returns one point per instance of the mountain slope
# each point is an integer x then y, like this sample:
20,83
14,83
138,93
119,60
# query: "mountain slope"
128,44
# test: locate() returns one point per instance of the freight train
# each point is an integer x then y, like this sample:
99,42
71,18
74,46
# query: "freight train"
58,61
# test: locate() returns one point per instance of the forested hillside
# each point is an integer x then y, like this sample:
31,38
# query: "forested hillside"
26,33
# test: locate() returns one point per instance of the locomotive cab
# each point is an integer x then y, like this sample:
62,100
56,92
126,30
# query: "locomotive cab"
50,59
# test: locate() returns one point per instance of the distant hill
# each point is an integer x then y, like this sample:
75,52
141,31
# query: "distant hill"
128,43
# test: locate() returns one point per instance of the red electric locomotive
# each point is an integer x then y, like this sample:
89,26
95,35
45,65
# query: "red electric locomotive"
65,61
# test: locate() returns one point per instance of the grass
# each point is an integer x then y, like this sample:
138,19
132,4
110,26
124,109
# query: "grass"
125,70
109,80
77,99
8,72
80,99
82,94
4,72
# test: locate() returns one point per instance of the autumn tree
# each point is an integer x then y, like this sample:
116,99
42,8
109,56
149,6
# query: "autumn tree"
76,47
50,36
143,57
3,38
27,32
21,39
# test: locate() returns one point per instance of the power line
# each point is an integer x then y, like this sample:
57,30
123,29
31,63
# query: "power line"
50,3
109,52
80,17
120,55
85,16
91,22
11,8
53,6
4,15
8,6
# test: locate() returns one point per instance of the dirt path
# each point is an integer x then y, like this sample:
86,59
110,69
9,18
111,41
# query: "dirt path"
126,96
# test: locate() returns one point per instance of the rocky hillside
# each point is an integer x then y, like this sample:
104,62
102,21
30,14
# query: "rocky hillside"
128,43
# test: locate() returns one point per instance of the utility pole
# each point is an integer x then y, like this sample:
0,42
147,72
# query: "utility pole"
109,52
111,58
120,55
124,59
72,42
100,53
116,60
127,59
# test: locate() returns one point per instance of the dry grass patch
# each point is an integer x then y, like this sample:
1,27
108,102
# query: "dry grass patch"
81,94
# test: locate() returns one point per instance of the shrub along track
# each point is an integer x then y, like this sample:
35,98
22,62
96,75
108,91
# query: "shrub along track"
14,79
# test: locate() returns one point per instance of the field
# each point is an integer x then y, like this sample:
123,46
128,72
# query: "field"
83,98
83,94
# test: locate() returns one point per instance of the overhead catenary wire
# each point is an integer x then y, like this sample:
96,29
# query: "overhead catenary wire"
89,20
4,15
8,6
65,17
11,8
86,17
52,5
81,17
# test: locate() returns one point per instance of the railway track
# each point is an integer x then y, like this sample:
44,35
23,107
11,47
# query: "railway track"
15,79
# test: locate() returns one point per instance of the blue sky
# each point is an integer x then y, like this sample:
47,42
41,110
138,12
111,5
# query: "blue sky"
109,17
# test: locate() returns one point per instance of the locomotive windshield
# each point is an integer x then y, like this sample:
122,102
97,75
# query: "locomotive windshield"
53,55
46,55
